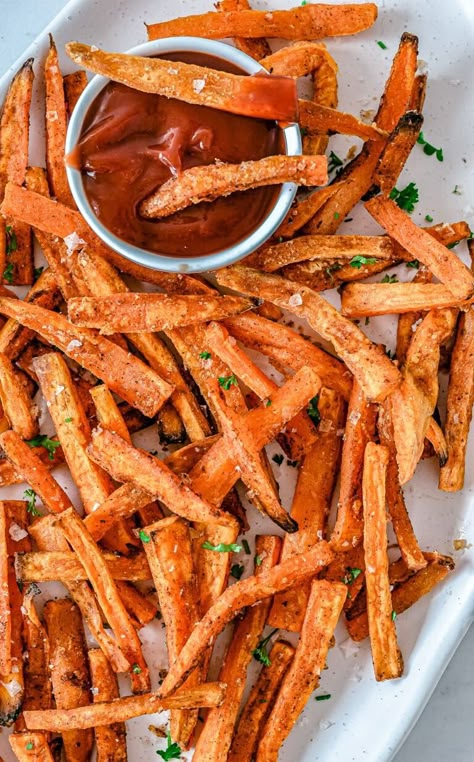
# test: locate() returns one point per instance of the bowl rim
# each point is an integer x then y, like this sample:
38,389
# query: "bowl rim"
152,260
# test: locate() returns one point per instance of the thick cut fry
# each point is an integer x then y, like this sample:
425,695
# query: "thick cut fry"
110,739
107,595
324,608
69,670
327,274
397,150
324,247
360,429
216,735
377,376
5,604
122,503
142,609
48,566
368,299
169,553
244,593
125,374
74,85
260,702
316,119
263,97
386,655
459,404
298,60
307,22
408,321
31,747
325,93
303,211
38,690
122,709
17,404
207,183
132,312
256,48
56,127
442,262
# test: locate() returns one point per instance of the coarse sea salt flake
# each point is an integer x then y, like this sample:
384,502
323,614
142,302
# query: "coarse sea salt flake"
52,116
295,300
17,533
198,85
73,241
13,687
73,344
349,648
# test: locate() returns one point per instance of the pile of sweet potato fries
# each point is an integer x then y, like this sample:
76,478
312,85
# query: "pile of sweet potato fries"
154,535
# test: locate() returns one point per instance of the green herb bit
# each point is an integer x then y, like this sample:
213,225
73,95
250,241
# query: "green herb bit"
260,653
351,575
429,149
391,355
37,272
304,2
406,198
205,355
222,547
414,264
172,751
304,131
428,218
42,440
367,321
324,697
336,215
237,570
268,403
334,161
227,381
68,420
452,245
280,239
394,615
136,669
29,746
293,463
456,191
360,260
12,242
246,547
389,279
381,45
313,410
278,459
30,496
332,269
8,273
144,536
258,560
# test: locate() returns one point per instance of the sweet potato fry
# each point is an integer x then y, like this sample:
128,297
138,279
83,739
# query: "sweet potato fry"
306,22
263,97
56,127
442,262
142,609
69,670
397,150
316,119
110,739
436,439
257,47
322,275
38,690
459,404
360,429
377,376
260,702
244,593
107,595
386,655
31,747
74,85
49,566
302,677
407,321
212,181
216,735
137,384
169,553
122,709
122,503
368,299
324,247
16,403
325,93
5,606
133,312
304,210
298,60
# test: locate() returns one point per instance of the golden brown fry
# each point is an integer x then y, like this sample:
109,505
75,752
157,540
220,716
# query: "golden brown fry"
110,739
132,312
31,747
5,605
303,211
323,247
316,119
368,299
360,429
38,690
48,566
16,402
74,85
207,183
256,48
142,609
260,702
324,607
386,656
216,735
306,22
298,60
406,322
56,127
263,97
69,670
377,376
397,150
121,504
325,93
327,274
119,710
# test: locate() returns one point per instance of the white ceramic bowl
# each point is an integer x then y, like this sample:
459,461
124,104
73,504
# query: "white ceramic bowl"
277,213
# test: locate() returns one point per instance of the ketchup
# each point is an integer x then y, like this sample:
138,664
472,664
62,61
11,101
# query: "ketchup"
133,142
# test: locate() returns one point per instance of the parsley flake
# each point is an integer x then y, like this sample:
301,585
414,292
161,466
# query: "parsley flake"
222,547
381,45
324,697
43,440
351,575
313,410
30,496
268,403
227,381
334,162
278,459
37,272
456,191
12,243
428,218
293,463
414,264
304,131
29,746
258,560
360,260
260,653
68,420
144,536
8,273
406,198
304,2
136,669
332,269
246,547
389,279
428,149
237,570
205,355
394,615
172,751
336,215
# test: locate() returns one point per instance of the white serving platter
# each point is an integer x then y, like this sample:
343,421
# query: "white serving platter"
363,721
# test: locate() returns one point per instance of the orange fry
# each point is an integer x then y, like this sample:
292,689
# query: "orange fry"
257,47
56,127
5,610
368,299
315,119
31,747
45,566
110,739
74,85
17,404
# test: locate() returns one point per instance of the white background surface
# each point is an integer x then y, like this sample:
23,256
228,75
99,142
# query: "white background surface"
445,730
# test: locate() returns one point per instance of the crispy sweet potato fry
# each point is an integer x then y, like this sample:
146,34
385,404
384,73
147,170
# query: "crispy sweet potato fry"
360,429
122,503
298,60
302,677
368,299
110,739
5,606
407,321
31,747
244,593
324,247
137,384
142,609
133,312
63,565
386,655
16,403
377,376
207,183
304,210
216,735
56,127
74,85
442,262
397,150
317,119
256,48
325,92
307,22
260,702
264,97
122,709
69,670
38,690
107,595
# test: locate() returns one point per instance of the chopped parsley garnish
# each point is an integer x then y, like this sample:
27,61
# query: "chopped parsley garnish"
360,260
29,746
406,198
389,279
367,321
334,162
8,273
30,496
332,269
258,560
391,355
227,381
278,459
237,570
293,463
414,264
246,547
452,245
313,410
136,669
351,575
324,697
381,45
68,420
172,751
394,615
456,191
12,243
428,218
336,215
260,653
268,403
303,131
428,149
144,536
37,273
222,547
205,355
304,2
43,440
